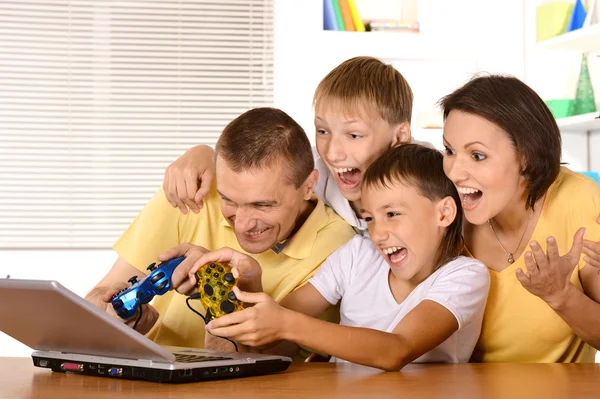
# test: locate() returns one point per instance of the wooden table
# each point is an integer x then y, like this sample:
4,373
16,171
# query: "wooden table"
19,379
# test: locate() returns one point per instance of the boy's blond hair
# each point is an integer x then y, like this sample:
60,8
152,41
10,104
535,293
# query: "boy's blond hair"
366,84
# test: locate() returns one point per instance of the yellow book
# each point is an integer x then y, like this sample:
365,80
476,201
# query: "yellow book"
358,24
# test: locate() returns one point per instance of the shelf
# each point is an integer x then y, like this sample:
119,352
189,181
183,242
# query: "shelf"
390,45
583,40
580,123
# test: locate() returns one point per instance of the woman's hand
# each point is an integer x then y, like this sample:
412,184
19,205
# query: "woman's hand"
548,275
592,251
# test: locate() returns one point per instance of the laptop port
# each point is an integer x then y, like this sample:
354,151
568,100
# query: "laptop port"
115,371
185,373
44,363
71,367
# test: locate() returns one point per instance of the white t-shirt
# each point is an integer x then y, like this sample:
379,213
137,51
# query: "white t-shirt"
357,275
330,194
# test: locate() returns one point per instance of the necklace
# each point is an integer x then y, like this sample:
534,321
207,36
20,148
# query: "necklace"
511,258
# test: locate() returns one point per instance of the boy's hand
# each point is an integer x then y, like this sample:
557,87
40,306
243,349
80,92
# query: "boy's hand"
188,179
258,325
592,251
179,278
243,267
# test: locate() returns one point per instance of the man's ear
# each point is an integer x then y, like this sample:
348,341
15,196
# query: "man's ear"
402,134
446,211
309,184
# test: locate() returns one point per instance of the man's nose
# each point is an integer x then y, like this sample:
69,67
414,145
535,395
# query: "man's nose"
244,220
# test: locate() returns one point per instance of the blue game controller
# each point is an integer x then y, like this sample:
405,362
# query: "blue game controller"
158,282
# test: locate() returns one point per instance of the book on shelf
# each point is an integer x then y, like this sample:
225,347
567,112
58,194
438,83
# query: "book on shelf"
341,15
358,23
338,15
329,18
346,16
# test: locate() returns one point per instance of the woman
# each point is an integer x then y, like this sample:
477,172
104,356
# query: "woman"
523,215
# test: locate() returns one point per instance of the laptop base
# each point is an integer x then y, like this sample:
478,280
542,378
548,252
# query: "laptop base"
128,372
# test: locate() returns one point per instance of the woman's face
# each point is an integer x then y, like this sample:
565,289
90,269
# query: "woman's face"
483,165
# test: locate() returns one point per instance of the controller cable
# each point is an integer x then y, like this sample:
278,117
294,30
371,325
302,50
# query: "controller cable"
139,315
197,296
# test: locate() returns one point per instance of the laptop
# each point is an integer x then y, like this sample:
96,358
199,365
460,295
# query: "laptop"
69,334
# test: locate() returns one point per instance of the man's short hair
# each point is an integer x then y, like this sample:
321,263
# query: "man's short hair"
261,137
366,83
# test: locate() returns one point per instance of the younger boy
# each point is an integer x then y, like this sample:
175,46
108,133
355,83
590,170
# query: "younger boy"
406,294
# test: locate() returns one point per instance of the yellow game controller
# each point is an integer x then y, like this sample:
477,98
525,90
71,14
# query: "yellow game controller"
215,284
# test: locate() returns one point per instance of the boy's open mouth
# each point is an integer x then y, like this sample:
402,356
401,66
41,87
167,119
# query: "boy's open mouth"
395,254
350,177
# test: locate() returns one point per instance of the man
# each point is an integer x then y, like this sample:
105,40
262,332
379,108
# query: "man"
262,203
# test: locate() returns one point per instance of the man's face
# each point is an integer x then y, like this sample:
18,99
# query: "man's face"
261,205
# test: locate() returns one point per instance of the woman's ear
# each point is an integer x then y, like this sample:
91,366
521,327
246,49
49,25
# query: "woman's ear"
401,134
446,210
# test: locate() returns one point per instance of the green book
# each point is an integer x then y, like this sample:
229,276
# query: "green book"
338,14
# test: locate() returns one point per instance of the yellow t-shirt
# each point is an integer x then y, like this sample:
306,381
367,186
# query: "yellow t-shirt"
159,226
521,327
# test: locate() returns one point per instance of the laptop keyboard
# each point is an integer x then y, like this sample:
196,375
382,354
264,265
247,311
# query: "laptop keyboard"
180,357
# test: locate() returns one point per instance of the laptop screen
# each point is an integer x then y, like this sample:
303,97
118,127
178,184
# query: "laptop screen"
46,316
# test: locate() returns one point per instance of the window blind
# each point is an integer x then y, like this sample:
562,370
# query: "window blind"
98,97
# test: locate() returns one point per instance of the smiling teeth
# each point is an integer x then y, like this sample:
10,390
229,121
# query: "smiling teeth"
255,233
391,250
466,190
343,170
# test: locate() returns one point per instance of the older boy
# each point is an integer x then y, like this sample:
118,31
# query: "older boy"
363,107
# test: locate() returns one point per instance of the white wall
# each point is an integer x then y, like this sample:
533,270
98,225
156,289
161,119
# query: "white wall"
78,270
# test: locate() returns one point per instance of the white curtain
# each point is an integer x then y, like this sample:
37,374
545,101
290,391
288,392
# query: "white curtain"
98,97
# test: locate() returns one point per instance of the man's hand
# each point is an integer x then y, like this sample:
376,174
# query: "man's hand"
258,325
243,267
179,279
548,275
188,179
102,297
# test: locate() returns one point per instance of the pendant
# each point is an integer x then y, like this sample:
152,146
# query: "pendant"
510,259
